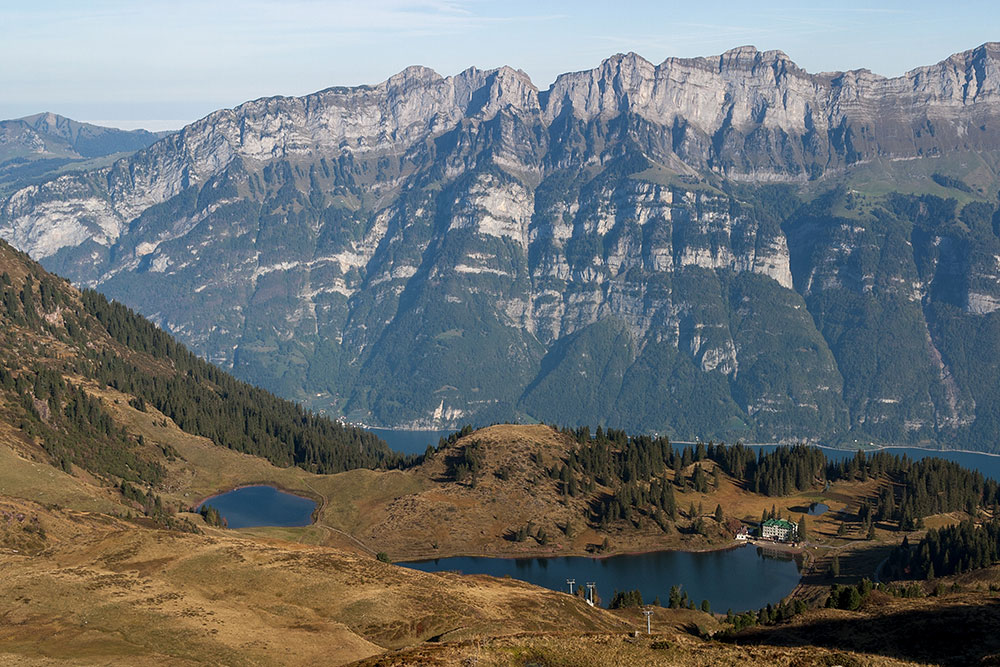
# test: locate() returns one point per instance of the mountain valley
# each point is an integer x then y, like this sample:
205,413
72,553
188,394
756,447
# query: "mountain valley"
106,561
601,290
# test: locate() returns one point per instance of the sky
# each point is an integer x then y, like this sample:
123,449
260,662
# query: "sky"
160,64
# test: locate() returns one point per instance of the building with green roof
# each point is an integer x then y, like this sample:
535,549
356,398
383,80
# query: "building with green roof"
779,530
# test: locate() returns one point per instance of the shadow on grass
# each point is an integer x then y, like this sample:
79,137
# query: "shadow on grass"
946,633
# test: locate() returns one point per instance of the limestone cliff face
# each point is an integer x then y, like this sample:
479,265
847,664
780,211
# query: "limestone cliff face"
747,114
755,115
436,249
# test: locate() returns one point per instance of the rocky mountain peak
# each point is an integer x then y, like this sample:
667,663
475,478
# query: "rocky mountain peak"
414,74
618,83
488,91
750,56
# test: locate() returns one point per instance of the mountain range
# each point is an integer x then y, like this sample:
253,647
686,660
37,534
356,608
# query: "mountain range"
724,247
37,147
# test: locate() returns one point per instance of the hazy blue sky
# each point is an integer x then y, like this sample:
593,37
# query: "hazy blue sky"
146,60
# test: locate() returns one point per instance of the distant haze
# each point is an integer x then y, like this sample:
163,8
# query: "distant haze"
183,59
151,125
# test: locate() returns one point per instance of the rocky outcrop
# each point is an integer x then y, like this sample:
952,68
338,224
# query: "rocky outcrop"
435,249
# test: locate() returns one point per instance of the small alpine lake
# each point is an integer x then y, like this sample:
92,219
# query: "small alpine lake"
818,509
742,578
252,506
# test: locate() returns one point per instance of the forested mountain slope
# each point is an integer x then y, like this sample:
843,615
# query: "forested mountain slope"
57,342
727,247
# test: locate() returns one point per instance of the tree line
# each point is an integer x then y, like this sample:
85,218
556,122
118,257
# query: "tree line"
944,551
43,318
204,400
643,472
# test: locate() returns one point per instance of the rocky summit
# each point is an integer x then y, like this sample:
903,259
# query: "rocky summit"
725,247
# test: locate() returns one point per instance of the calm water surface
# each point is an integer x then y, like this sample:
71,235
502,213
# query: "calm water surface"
410,442
262,506
739,579
817,509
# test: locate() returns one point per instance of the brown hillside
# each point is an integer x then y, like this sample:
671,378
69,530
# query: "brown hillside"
103,590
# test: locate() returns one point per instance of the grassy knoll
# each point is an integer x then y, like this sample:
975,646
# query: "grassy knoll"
664,647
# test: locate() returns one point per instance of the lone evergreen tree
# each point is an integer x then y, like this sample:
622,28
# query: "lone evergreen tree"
675,597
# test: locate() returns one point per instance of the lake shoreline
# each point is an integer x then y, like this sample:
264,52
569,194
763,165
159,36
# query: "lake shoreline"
576,553
879,448
307,495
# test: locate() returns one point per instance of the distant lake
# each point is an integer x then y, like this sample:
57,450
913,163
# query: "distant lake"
987,464
738,579
410,442
262,506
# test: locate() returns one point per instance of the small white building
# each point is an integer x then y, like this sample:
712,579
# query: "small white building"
779,530
743,534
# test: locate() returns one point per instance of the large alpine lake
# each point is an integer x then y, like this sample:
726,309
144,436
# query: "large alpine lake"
738,579
252,506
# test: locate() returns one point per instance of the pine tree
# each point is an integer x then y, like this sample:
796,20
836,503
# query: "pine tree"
674,599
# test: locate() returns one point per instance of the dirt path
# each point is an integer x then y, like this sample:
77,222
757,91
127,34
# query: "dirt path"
329,529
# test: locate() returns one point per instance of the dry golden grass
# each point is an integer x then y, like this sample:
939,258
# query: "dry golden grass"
953,629
420,513
587,650
442,517
108,591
